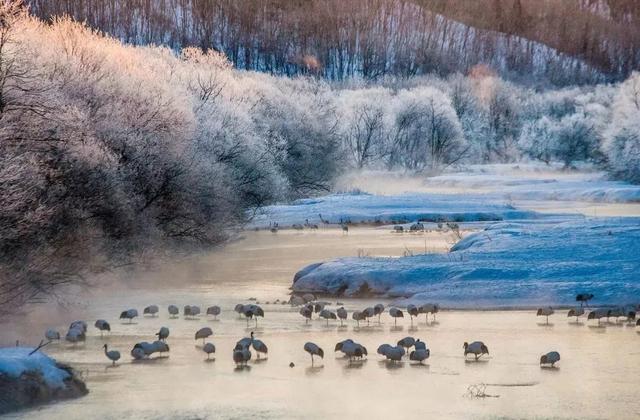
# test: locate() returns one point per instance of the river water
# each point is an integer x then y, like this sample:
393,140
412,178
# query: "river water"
598,376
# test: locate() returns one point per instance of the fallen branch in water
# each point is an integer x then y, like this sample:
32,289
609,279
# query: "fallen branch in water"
478,391
41,345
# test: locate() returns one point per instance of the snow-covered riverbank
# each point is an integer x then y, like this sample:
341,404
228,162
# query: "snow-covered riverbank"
27,379
506,265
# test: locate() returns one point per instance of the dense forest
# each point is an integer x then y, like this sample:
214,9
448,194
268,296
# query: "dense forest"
111,153
557,41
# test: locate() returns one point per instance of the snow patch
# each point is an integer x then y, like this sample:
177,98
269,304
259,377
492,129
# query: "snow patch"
14,361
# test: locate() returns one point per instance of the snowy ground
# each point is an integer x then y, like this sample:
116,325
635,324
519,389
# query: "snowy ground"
477,193
508,264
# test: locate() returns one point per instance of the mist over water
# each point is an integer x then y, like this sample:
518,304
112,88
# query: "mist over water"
596,377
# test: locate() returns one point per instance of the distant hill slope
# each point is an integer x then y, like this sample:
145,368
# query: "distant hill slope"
562,41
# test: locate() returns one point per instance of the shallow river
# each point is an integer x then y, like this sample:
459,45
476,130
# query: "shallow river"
598,376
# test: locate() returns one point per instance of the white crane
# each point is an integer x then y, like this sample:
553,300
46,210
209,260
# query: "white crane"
429,308
342,314
150,310
545,312
112,355
77,331
146,348
351,349
307,313
477,348
420,345
314,350
253,311
393,353
102,326
407,342
599,314
358,316
190,311
203,333
327,314
419,355
259,346
396,313
577,312
245,342
239,308
241,355
378,309
209,348
214,310
163,333
129,314
138,353
412,310
369,313
550,358
160,347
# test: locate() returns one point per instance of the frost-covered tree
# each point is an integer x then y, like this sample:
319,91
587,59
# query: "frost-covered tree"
363,124
427,133
622,139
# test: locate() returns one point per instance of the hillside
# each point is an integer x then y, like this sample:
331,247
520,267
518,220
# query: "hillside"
559,41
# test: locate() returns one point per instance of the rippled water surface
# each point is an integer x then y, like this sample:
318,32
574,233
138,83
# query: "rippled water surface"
598,376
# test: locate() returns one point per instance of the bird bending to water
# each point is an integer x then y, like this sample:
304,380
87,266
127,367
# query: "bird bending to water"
477,348
150,310
209,348
241,356
351,349
550,358
102,326
213,310
393,353
419,355
129,314
407,342
203,333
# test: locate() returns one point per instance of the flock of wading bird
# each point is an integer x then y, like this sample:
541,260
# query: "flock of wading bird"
309,305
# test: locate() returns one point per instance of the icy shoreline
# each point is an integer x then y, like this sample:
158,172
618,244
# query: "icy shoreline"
512,265
362,208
